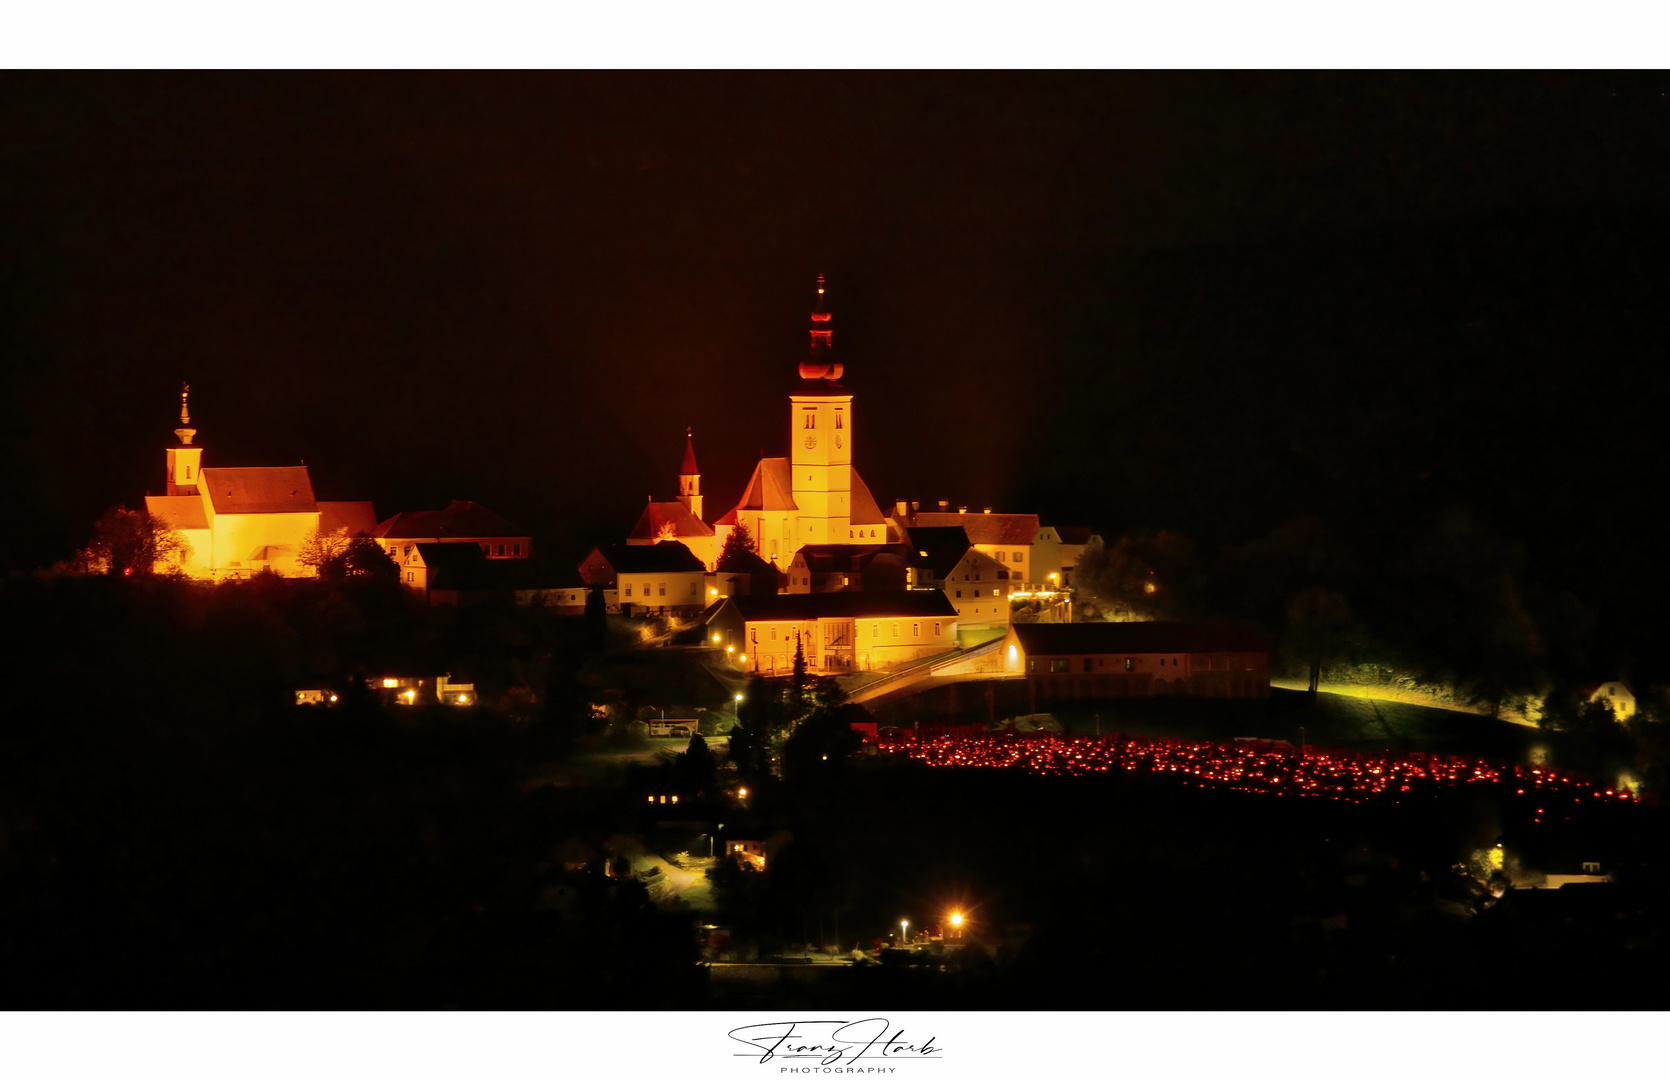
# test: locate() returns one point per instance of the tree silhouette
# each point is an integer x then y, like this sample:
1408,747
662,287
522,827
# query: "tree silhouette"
737,543
128,542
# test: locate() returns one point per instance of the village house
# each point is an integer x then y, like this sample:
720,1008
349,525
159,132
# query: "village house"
840,631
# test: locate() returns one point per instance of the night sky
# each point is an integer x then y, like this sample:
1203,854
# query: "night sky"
1209,302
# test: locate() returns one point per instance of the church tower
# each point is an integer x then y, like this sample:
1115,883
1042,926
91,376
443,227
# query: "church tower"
690,477
184,461
820,440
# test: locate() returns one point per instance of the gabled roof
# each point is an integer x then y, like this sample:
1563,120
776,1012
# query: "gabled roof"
658,516
938,547
460,520
880,604
667,557
283,489
1005,529
1071,639
770,488
1074,534
864,508
178,511
353,518
840,558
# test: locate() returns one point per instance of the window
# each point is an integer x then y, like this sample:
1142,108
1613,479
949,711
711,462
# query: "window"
773,633
1031,666
408,551
516,549
811,419
875,630
695,588
1087,664
838,425
1130,663
996,592
754,634
936,629
188,472
663,589
915,629
501,549
1000,557
959,594
410,576
1016,557
895,629
1060,665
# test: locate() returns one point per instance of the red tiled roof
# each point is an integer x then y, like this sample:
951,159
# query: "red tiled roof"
283,489
660,515
353,518
1007,529
864,508
460,520
178,511
770,488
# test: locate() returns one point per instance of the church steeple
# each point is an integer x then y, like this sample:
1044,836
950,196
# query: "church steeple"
821,364
184,461
690,477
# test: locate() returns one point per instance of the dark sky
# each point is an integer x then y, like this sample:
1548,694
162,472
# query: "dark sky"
1128,300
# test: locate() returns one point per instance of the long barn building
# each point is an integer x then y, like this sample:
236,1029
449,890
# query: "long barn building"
1066,661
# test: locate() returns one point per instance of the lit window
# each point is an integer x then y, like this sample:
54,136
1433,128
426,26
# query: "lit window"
1061,665
996,592
1130,663
410,576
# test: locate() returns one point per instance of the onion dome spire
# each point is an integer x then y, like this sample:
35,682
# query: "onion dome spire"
821,364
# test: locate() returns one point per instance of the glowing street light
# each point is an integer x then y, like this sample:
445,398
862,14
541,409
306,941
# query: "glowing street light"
956,920
739,699
904,928
716,639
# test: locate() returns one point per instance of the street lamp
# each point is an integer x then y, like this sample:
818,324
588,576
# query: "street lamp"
904,935
739,699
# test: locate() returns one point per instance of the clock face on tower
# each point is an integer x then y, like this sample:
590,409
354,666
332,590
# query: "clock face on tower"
811,440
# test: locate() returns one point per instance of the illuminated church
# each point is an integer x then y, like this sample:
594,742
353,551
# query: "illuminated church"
813,496
238,522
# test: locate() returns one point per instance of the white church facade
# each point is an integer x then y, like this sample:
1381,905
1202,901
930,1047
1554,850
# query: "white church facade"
242,521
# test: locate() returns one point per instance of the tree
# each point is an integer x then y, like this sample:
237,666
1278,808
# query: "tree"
738,542
1142,577
366,559
325,552
1320,628
597,619
797,681
128,542
695,769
